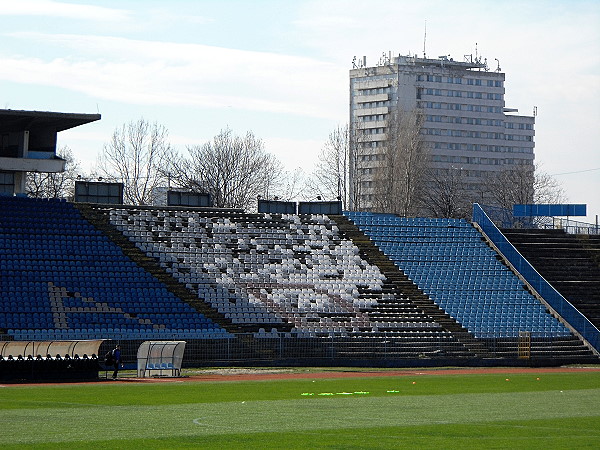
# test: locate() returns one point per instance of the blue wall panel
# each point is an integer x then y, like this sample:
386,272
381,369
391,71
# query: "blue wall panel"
549,210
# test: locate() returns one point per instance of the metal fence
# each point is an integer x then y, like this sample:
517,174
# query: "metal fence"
505,219
571,226
379,351
367,351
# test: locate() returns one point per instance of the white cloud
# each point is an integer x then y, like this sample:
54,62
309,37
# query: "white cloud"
145,72
50,8
165,16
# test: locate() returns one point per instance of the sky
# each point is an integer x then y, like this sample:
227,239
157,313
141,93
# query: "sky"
280,68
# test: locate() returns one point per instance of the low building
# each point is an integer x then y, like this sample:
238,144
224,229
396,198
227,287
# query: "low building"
28,144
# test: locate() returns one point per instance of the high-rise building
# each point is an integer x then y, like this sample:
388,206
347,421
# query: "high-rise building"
466,128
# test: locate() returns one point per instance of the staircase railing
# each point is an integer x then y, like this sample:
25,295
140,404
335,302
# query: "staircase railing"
560,304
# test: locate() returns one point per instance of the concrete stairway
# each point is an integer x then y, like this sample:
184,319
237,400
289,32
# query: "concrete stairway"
569,263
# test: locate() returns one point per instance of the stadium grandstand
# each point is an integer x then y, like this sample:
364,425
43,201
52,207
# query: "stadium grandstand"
241,288
355,289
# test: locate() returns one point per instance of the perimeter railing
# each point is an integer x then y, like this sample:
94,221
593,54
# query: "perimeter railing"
560,304
504,218
571,226
329,349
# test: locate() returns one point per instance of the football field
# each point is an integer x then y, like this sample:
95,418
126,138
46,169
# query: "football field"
497,410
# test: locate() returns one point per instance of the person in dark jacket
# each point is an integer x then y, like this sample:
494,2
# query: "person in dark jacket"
117,362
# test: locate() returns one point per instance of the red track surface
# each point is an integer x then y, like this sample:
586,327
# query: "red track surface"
394,373
336,374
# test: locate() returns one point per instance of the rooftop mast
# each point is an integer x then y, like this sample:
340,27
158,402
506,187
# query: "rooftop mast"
425,41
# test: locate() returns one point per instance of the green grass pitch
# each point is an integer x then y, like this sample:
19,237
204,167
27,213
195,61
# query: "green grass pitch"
558,410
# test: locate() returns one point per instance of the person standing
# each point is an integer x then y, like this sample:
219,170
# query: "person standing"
116,357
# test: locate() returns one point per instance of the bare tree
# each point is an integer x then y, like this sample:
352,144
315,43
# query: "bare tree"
136,155
524,184
547,189
511,186
330,177
290,186
235,170
359,179
54,185
400,176
444,194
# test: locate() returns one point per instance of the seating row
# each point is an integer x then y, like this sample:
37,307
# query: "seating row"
294,269
65,277
457,271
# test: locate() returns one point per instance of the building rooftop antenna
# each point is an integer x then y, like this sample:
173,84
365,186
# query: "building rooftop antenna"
425,41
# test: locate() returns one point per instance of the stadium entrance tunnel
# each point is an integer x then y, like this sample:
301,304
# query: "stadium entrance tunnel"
49,360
